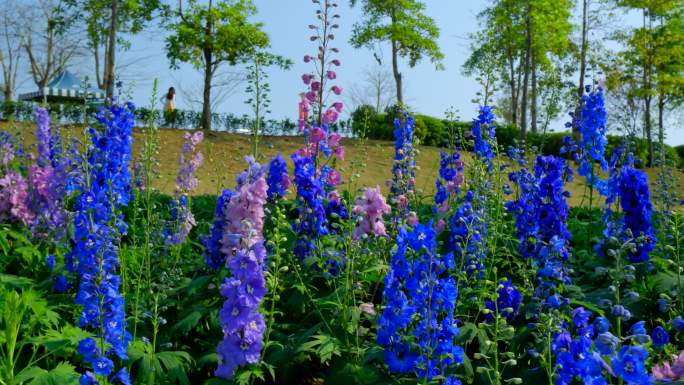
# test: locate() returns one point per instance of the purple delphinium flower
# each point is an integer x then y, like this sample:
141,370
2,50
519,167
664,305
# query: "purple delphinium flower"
236,242
182,220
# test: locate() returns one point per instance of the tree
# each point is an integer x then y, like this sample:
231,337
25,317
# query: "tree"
410,32
49,40
209,35
10,49
106,21
649,48
522,45
377,89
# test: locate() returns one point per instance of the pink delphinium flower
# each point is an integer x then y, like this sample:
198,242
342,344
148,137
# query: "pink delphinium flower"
244,216
338,106
334,140
413,219
667,372
317,134
334,178
336,90
14,192
331,75
7,153
339,152
370,207
330,116
441,225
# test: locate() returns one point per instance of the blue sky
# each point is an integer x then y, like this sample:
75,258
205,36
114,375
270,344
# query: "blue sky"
426,90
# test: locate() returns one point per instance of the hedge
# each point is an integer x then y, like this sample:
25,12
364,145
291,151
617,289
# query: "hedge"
433,131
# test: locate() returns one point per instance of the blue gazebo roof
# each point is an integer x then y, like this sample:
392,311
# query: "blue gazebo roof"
64,85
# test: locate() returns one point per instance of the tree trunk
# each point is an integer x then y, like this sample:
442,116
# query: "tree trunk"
514,92
206,101
533,97
584,46
648,129
661,125
110,62
526,78
397,74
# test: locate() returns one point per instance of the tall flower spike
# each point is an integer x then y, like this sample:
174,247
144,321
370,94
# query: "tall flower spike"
240,223
403,166
417,327
635,201
182,220
484,135
98,225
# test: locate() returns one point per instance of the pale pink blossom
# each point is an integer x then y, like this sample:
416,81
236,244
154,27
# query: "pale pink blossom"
339,152
667,372
370,208
334,140
367,308
317,134
413,219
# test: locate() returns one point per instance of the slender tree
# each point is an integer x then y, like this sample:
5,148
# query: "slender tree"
10,50
107,23
209,35
403,23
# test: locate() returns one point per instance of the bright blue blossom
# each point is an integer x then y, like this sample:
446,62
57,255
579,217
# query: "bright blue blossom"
312,221
541,213
508,301
629,364
592,127
485,135
468,230
402,187
417,327
277,179
98,225
660,337
635,201
450,177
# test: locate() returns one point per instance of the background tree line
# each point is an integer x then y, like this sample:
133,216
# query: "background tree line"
532,58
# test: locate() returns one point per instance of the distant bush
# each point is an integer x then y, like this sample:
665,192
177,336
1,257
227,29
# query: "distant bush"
431,131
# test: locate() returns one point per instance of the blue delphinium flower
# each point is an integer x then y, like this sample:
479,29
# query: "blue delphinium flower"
402,187
635,201
592,126
98,225
629,364
450,176
541,213
468,230
277,179
312,221
417,326
508,301
484,135
660,337
212,242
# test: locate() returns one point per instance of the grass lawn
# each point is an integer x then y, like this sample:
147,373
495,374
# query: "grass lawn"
369,162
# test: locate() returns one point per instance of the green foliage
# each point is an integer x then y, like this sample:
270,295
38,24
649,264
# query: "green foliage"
401,22
207,36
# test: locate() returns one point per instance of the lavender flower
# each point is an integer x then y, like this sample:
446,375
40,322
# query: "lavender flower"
182,220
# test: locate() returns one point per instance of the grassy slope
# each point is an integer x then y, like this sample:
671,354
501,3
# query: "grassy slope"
370,161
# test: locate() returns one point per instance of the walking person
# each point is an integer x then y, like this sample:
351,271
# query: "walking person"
170,108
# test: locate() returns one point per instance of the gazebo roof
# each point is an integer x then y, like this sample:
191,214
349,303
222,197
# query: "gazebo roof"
64,85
